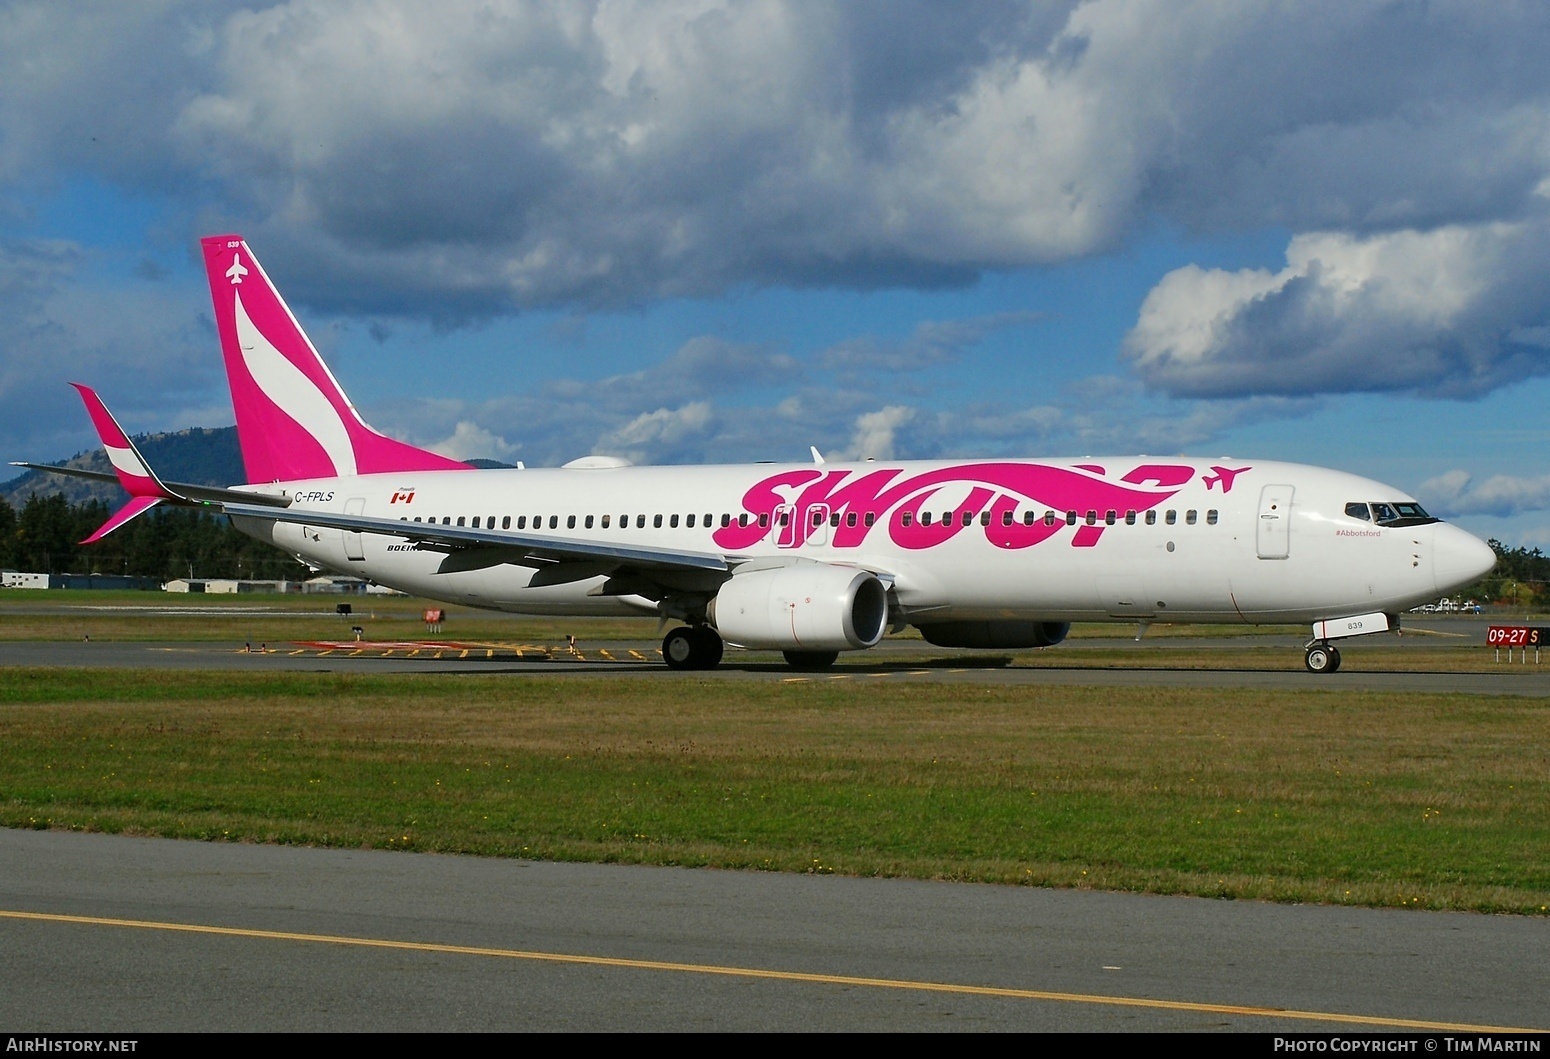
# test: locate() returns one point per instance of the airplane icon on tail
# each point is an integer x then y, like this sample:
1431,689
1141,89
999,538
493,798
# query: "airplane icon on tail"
236,272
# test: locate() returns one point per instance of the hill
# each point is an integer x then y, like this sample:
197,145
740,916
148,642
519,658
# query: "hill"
199,456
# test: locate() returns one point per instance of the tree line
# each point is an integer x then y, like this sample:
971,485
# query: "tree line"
167,542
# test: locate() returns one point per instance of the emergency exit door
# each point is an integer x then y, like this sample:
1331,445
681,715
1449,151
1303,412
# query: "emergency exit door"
1273,535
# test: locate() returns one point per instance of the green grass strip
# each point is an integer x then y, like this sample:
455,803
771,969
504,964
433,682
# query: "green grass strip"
1436,801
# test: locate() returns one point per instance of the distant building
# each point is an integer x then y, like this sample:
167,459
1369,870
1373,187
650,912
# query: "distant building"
17,579
225,586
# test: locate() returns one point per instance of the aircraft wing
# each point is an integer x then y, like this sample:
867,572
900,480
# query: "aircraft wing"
207,494
522,549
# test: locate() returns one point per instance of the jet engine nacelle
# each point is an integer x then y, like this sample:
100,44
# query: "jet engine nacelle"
805,606
995,634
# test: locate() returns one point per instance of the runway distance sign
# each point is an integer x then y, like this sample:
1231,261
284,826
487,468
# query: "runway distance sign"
1517,636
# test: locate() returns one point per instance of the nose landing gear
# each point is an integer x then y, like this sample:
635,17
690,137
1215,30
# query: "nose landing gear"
1321,658
692,647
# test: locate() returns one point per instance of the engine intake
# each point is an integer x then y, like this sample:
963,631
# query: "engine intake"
995,634
804,606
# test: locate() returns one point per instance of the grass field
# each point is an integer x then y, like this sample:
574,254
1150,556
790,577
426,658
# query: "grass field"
1435,801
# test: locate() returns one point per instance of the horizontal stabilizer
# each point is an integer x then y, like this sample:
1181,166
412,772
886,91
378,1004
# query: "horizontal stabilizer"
136,507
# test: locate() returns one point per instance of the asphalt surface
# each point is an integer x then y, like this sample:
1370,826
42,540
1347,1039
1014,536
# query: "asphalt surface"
890,661
517,945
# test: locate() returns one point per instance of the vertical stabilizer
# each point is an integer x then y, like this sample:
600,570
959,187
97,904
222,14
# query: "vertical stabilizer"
293,419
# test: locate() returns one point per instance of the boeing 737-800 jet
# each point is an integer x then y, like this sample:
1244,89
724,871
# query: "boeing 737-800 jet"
808,559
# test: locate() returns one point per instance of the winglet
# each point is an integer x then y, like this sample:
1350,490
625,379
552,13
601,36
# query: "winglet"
134,474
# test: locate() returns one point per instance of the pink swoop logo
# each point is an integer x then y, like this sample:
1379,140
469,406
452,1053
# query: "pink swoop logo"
876,498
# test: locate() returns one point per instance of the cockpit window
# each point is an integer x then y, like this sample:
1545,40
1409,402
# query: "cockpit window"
1358,511
1398,514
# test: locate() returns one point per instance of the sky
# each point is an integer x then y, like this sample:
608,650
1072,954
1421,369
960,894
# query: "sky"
724,232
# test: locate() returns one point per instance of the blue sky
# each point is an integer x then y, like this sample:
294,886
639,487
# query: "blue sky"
703,231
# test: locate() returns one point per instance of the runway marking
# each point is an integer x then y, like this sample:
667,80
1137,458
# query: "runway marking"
637,656
772,975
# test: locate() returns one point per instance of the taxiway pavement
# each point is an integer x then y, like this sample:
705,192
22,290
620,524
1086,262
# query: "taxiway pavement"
887,662
283,938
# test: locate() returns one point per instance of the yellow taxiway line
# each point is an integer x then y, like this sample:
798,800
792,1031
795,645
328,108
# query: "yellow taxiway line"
774,975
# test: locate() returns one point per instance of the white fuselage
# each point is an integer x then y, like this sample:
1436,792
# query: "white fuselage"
1111,539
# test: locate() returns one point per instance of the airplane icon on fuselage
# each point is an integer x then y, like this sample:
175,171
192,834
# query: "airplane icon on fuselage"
236,272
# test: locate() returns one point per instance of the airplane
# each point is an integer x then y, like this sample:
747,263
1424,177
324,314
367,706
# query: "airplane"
809,559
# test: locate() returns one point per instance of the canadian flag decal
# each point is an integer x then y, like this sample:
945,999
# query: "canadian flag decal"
407,498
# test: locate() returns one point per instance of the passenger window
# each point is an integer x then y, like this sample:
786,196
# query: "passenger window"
521,522
1189,517
505,522
785,519
1092,518
489,523
764,520
1049,518
460,520
417,518
689,524
984,518
706,523
672,522
925,518
968,518
1110,517
1030,517
1171,517
570,521
817,519
1211,517
1071,518
742,520
656,521
1006,518
834,520
554,521
606,519
446,520
1151,518
1130,518
850,519
640,521
726,520
904,519
871,518
589,521
476,522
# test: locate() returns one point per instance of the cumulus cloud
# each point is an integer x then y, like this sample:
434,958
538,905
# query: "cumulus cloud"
1455,311
1457,493
932,342
472,158
874,436
470,441
660,434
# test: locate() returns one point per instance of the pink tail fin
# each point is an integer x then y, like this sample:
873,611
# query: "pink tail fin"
293,419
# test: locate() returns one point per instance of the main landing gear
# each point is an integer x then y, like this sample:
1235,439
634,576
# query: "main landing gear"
692,647
1321,658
